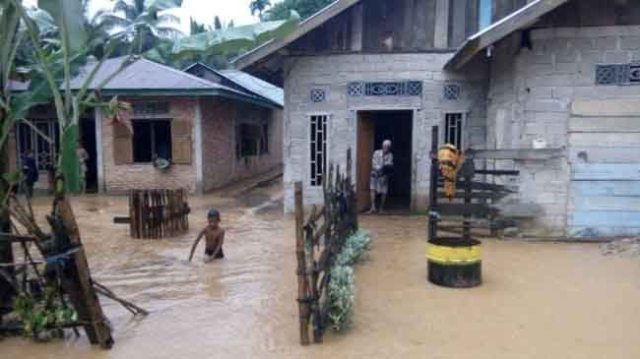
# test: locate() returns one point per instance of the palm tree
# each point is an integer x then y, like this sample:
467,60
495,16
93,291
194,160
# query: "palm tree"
141,22
259,6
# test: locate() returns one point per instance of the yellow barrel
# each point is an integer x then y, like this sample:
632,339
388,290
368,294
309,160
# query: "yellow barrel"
454,262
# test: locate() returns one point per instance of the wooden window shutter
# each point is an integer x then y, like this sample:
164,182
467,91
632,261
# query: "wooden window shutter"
181,142
122,144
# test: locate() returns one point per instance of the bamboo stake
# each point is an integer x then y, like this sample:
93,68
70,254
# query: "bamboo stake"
303,285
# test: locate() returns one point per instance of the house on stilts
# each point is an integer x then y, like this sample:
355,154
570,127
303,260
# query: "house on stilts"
548,86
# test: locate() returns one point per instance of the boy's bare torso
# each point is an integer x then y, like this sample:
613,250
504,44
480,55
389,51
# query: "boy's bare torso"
212,236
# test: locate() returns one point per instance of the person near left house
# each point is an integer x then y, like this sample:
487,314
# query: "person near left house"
29,172
83,156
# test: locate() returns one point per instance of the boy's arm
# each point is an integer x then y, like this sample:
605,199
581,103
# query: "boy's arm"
195,244
219,246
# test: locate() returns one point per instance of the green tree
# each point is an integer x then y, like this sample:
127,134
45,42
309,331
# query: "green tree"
141,22
304,8
196,28
259,6
217,24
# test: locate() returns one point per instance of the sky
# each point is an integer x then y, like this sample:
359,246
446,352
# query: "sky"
203,11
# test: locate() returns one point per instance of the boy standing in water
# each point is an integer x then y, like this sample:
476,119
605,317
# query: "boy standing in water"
214,237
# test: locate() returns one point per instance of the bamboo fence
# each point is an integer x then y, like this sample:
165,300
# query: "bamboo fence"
319,239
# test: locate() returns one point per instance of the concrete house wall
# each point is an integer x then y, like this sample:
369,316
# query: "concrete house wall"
333,73
534,94
380,41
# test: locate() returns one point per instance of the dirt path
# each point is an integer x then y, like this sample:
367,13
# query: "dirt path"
538,301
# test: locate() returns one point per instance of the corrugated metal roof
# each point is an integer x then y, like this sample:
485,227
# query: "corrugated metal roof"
143,74
256,85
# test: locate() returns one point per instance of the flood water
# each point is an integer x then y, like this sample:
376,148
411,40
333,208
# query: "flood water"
539,300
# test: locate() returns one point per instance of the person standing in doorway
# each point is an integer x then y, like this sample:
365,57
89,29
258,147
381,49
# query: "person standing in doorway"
381,170
83,156
29,172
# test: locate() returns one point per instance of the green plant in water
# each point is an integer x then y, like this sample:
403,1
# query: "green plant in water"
354,247
46,316
341,288
341,295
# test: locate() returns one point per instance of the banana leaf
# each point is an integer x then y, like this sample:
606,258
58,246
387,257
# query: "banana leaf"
235,38
43,20
69,18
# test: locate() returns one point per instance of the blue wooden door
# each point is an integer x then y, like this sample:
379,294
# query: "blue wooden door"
604,153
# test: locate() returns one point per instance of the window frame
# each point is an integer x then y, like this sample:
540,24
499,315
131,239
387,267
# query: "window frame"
463,127
327,143
151,121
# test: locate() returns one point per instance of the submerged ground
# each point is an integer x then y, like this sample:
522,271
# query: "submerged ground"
539,300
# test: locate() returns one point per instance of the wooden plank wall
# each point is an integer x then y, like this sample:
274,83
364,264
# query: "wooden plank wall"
593,13
604,151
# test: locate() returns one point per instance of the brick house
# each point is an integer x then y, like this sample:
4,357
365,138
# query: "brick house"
210,133
546,86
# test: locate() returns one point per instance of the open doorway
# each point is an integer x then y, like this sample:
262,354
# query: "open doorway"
88,140
373,128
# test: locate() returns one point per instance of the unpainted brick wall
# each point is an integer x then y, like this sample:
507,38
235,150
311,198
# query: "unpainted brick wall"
220,118
119,178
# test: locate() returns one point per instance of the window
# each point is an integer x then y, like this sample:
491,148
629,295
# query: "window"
252,139
151,140
453,129
484,19
318,148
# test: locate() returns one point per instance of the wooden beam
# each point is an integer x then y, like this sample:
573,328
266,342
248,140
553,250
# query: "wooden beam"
441,33
516,154
520,19
468,209
78,284
498,172
305,27
303,284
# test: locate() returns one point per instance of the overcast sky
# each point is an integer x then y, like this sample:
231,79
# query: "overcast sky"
203,11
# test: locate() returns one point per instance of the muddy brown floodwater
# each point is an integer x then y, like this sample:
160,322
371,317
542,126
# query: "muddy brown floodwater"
539,300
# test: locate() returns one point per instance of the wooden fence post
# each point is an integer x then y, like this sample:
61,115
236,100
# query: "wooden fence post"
78,284
433,185
303,284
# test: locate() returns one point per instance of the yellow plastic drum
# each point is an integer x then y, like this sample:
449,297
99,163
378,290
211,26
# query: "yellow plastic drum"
454,262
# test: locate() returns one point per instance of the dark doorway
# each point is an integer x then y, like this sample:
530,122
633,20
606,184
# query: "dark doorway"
373,128
88,140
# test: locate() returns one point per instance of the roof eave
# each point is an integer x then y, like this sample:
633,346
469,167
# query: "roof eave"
518,20
191,92
221,74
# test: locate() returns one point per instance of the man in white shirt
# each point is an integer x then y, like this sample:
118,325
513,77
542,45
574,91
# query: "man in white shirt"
381,169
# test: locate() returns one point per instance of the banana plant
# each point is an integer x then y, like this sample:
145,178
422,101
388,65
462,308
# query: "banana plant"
55,72
14,106
233,39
